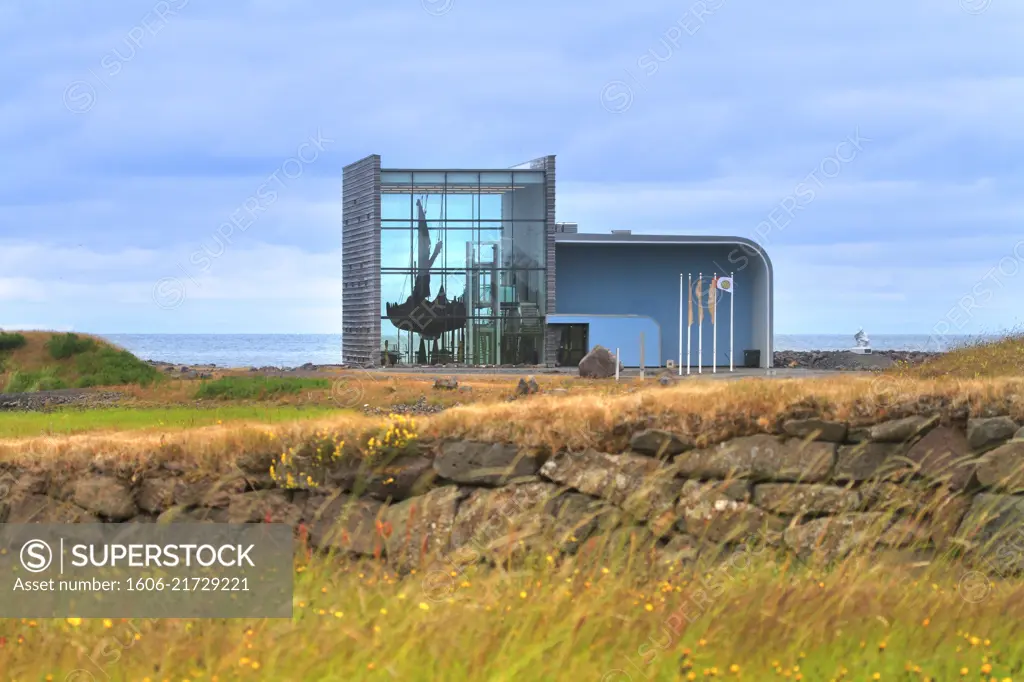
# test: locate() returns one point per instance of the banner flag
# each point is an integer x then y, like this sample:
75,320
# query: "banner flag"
713,297
725,284
689,307
700,305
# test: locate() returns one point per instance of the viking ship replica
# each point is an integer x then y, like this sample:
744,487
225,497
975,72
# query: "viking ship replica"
441,319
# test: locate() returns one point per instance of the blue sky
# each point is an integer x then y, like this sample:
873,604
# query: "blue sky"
132,131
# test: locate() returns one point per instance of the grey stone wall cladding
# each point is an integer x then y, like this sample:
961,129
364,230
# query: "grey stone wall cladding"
360,262
547,164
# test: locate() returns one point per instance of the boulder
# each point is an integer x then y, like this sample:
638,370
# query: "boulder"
527,386
599,363
800,499
209,492
620,545
495,522
1002,469
833,537
420,528
480,463
993,530
815,429
156,495
264,506
34,508
943,455
658,443
985,433
901,430
105,497
347,524
667,378
641,486
760,457
705,512
864,461
446,383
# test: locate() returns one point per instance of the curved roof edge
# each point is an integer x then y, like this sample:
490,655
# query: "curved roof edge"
594,238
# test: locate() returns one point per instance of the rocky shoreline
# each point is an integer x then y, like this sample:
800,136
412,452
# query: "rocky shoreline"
847,361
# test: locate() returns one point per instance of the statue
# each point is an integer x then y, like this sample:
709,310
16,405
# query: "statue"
863,343
429,319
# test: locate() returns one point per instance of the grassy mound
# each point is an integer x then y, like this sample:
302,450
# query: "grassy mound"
978,360
44,361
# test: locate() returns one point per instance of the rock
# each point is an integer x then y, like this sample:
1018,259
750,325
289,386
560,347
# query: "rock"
667,378
496,522
599,363
1002,469
705,513
209,492
446,383
33,508
865,460
420,528
183,514
659,443
484,463
156,495
993,529
943,455
463,389
799,499
901,430
105,497
760,457
263,506
680,549
347,524
983,434
816,429
1019,434
643,487
399,479
527,386
621,545
833,537
577,517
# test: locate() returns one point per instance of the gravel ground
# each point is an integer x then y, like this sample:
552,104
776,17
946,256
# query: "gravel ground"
44,400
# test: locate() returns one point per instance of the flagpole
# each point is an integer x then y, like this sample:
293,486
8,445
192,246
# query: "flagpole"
679,370
700,330
689,322
732,308
714,324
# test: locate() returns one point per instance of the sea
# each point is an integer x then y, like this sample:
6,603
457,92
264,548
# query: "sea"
294,350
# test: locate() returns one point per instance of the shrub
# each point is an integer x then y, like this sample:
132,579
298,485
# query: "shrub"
30,382
111,367
11,341
257,388
62,346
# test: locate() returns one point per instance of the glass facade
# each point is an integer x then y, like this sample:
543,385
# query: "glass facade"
463,258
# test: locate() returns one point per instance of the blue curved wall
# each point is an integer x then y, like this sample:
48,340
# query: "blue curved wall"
622,332
643,279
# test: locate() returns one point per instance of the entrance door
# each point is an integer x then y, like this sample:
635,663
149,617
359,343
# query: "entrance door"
575,343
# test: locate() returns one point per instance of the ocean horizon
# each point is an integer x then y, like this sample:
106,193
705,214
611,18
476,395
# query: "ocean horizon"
295,350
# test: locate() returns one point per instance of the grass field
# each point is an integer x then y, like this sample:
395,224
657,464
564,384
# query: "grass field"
587,618
70,421
613,617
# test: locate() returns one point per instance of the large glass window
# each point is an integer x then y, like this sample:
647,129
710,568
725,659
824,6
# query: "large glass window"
466,283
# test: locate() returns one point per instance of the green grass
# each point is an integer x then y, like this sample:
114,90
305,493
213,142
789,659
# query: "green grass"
67,421
111,367
257,388
571,620
29,382
61,346
11,341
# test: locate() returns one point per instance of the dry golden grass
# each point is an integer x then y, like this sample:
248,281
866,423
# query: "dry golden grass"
976,360
596,414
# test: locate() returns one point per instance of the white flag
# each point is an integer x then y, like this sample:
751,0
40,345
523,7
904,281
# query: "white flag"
725,284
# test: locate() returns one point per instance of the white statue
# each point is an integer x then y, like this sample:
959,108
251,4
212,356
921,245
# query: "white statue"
863,343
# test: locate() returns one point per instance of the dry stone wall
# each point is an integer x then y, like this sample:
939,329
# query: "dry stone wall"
929,485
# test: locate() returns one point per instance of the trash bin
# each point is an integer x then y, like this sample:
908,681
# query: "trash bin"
752,358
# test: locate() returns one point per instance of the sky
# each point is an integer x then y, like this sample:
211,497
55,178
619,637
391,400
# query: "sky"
875,149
